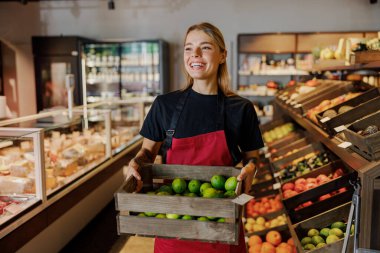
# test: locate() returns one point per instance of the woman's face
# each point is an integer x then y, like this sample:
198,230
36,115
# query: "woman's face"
202,56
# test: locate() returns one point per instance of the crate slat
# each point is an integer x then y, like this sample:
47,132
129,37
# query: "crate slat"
181,229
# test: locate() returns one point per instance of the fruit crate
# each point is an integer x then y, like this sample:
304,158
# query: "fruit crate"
321,206
128,202
367,146
285,237
285,151
311,99
273,208
335,183
365,57
325,219
313,147
280,225
364,103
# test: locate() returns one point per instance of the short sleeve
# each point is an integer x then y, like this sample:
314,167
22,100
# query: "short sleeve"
250,136
153,126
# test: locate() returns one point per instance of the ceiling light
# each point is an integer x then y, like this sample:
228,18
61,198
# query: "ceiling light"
111,5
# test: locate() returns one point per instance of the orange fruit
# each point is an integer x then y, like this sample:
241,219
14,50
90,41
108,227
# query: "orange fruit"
255,248
266,247
254,239
274,237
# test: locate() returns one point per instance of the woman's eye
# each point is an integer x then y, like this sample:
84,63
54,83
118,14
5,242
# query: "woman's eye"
206,48
187,49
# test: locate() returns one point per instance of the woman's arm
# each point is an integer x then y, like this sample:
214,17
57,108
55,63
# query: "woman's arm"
248,171
146,154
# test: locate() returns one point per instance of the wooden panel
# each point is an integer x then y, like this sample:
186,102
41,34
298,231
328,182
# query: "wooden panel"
376,184
182,229
292,146
371,35
191,172
375,232
306,42
263,43
195,206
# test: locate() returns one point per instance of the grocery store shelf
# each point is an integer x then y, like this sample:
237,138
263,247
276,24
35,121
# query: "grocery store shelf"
353,67
353,159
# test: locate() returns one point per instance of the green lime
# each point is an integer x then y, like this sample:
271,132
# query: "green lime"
202,218
352,230
179,185
339,225
163,194
187,217
324,232
305,240
190,194
312,232
220,194
230,184
210,193
151,193
204,186
320,245
172,216
309,246
332,239
218,181
230,194
211,218
221,220
141,215
317,239
194,186
161,216
336,231
165,188
150,214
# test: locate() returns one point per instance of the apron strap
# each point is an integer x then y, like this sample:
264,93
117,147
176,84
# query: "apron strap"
174,121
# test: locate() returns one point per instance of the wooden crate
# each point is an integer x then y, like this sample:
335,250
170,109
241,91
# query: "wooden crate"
127,202
368,146
315,193
321,206
365,57
364,103
325,219
297,144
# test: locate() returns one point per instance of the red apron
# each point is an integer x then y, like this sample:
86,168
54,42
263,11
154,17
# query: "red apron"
205,149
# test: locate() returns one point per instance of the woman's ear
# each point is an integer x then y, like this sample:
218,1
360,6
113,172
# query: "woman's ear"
223,57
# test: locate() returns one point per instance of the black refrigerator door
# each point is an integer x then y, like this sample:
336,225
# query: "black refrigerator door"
51,75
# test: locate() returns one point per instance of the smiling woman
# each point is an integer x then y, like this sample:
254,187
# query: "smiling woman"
203,124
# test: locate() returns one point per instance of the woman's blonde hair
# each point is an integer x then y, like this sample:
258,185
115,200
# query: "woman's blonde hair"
217,36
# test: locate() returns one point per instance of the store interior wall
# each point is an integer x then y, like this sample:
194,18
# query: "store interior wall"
169,19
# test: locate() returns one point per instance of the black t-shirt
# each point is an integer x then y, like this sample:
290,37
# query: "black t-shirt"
199,116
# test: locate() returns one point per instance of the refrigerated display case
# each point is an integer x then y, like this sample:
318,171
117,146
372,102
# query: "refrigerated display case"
20,172
124,69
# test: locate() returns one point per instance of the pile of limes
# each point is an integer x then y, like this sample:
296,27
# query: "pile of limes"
217,187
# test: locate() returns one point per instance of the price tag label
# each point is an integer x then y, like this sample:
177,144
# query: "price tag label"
325,119
242,199
276,174
298,106
340,128
276,186
345,144
267,155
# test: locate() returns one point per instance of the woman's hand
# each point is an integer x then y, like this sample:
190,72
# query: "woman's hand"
246,174
132,170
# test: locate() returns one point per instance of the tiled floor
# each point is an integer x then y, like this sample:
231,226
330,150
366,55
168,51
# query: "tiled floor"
100,236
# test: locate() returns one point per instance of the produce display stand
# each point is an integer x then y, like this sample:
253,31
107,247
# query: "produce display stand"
367,171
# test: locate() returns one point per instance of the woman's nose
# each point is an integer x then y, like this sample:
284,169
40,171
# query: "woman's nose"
196,52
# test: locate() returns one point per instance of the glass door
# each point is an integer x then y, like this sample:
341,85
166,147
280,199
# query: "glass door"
51,77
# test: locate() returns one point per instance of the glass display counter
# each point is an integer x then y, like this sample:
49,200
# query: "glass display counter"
20,172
